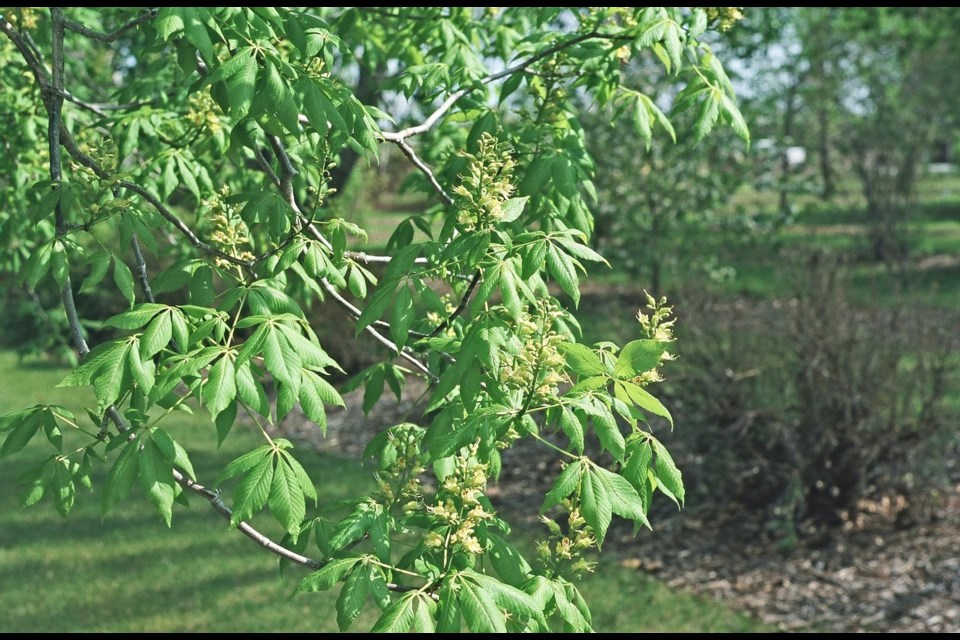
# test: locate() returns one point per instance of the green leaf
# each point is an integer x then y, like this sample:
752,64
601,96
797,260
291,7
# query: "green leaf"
641,122
300,474
121,477
637,470
124,280
609,433
252,493
563,271
141,372
423,615
224,422
671,41
282,360
398,617
156,478
479,610
572,427
595,504
63,487
250,391
624,499
220,389
188,178
109,378
582,359
669,478
509,563
22,434
242,69
401,316
197,34
156,337
512,208
448,613
323,579
735,118
137,317
507,597
629,392
100,263
565,484
286,499
352,596
637,357
314,392
707,115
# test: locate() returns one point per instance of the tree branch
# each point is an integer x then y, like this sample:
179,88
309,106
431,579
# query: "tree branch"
76,27
213,496
27,52
287,172
447,104
53,100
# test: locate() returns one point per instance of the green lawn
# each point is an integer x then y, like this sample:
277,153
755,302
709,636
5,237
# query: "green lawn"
128,572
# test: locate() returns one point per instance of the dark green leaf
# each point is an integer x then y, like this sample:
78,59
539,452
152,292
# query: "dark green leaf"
352,596
324,579
124,280
398,617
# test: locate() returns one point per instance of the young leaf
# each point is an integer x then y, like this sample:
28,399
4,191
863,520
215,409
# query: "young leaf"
582,360
220,389
572,427
624,499
398,617
282,359
637,357
156,478
563,271
124,280
122,475
352,596
22,434
595,504
479,610
286,499
669,478
629,392
565,484
252,493
157,336
609,434
401,316
324,578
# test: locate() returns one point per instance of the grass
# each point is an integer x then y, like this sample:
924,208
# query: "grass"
127,572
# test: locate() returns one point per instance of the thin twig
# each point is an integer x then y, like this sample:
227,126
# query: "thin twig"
76,27
460,307
425,170
389,344
182,227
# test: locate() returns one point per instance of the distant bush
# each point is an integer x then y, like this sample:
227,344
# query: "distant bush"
806,405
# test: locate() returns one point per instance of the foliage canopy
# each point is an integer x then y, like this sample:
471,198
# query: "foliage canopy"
181,164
